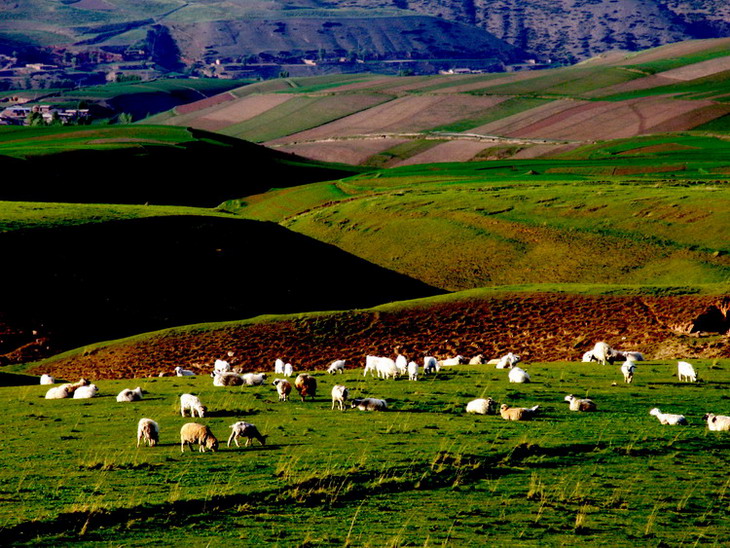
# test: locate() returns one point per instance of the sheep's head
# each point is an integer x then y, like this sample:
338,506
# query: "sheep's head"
569,398
654,411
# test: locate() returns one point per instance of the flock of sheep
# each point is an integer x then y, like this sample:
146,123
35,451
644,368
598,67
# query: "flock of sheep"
306,385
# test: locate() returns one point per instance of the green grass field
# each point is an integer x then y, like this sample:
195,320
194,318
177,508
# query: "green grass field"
422,473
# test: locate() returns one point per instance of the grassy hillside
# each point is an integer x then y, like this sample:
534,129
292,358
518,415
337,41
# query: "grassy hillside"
614,477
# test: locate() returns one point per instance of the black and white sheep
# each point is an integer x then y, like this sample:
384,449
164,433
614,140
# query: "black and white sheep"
369,404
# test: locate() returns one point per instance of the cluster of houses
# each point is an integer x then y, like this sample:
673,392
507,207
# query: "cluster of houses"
20,115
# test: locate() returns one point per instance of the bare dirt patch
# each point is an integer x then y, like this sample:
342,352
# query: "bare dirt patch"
222,115
452,151
349,151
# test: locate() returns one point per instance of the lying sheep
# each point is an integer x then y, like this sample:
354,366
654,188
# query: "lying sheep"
227,379
685,372
668,418
192,402
457,360
242,429
128,395
430,365
627,369
337,366
283,388
576,404
518,375
508,361
717,423
339,395
221,366
254,379
149,431
194,432
517,413
180,372
477,360
412,371
65,390
47,379
86,392
306,385
482,406
588,357
369,404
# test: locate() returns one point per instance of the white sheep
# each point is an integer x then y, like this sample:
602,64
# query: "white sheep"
685,372
369,404
430,365
588,357
370,367
180,372
192,402
221,366
128,395
337,366
401,364
243,429
283,388
517,413
149,431
47,379
577,404
65,390
516,374
634,356
717,423
457,360
668,418
603,353
339,395
412,371
85,392
288,370
279,366
194,432
384,367
228,378
627,369
508,361
477,360
254,379
482,406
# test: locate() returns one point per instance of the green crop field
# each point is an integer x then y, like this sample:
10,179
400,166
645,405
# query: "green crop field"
422,473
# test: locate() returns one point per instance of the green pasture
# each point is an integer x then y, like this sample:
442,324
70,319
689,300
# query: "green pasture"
204,86
669,61
422,473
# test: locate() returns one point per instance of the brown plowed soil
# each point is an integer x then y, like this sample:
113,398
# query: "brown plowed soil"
539,327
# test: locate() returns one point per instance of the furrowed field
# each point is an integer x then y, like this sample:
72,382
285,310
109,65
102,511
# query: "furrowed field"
423,473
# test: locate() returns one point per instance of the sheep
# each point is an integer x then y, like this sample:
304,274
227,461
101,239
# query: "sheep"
685,372
180,372
370,365
508,361
401,362
283,387
243,429
387,368
517,413
227,379
149,431
717,423
47,379
337,366
482,406
339,395
221,366
279,366
668,418
634,356
477,360
452,361
194,432
577,404
288,370
627,369
517,374
430,365
192,402
603,353
412,371
130,395
306,386
369,404
85,392
254,379
65,390
588,357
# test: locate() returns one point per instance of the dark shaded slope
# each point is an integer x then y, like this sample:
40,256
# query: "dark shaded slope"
76,285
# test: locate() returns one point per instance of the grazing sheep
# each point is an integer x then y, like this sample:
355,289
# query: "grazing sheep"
288,370
279,366
189,401
477,360
149,431
194,432
227,379
603,353
130,395
588,357
306,385
457,360
412,371
401,363
717,423
370,367
254,379
339,395
85,392
47,379
517,374
283,387
369,404
65,390
430,365
482,406
243,429
387,368
180,372
685,372
577,404
668,418
517,413
508,361
627,369
337,366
